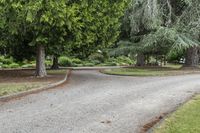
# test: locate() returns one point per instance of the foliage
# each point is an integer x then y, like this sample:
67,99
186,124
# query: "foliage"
64,27
119,61
65,61
175,56
97,57
5,60
157,27
14,65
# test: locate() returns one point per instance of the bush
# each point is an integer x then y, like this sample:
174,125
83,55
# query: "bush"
48,63
122,60
28,66
6,60
89,64
5,66
65,61
110,64
14,65
96,57
76,61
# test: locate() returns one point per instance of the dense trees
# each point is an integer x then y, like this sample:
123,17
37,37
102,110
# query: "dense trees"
76,26
158,27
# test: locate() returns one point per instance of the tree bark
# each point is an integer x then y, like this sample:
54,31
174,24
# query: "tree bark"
165,61
140,60
55,63
192,57
40,62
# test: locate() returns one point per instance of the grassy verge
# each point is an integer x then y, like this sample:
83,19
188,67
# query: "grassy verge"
56,72
165,71
185,120
23,81
11,88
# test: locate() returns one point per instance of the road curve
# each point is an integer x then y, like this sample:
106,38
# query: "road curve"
96,103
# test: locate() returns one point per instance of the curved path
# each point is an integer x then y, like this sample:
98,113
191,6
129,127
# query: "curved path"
96,103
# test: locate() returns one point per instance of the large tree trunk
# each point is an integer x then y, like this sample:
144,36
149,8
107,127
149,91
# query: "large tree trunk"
55,63
140,59
40,62
192,57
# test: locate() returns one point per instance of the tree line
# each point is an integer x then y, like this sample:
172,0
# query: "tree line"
159,28
140,28
72,26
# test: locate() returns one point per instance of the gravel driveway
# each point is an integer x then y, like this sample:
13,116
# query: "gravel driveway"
96,103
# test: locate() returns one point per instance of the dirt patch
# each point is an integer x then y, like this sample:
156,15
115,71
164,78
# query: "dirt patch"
16,81
152,123
17,76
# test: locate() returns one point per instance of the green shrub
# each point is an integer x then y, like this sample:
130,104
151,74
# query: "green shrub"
5,66
124,60
111,64
96,57
65,61
89,64
6,60
96,62
76,61
28,66
14,65
48,63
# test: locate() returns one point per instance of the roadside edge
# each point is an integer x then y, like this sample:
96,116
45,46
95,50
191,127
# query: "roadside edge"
37,90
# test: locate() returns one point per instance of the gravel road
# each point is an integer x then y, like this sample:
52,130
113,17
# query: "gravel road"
92,102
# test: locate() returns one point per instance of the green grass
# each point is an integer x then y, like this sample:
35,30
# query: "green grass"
57,72
134,72
185,120
174,66
11,88
150,71
15,86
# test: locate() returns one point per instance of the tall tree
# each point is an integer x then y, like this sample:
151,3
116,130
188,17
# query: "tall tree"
159,24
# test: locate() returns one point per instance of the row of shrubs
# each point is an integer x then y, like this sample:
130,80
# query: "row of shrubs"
94,60
74,62
8,62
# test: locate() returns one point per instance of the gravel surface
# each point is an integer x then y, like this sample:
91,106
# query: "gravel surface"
96,103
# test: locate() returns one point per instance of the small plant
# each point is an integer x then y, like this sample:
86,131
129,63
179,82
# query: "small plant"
98,57
28,66
14,65
48,63
5,60
76,61
65,61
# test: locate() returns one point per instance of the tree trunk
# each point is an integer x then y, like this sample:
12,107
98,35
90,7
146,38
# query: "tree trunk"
40,62
165,61
55,63
140,59
192,57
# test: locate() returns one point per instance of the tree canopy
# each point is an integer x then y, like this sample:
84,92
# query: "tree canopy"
78,27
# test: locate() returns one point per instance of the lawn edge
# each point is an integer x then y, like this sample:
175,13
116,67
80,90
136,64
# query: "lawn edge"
157,121
103,71
37,90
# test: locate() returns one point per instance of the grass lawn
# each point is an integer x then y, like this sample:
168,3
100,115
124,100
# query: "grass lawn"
17,81
185,120
150,71
11,88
